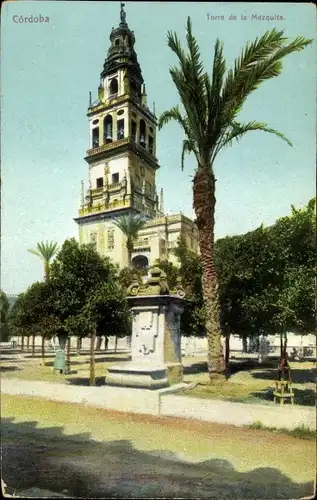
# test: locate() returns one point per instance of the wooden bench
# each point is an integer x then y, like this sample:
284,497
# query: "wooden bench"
283,391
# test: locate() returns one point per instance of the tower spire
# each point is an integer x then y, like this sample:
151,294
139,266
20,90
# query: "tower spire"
123,14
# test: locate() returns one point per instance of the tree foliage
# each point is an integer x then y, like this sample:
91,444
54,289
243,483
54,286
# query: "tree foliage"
76,270
267,276
190,272
4,313
130,225
127,274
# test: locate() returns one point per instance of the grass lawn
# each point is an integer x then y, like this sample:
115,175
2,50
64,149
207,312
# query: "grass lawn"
71,446
249,382
254,384
29,368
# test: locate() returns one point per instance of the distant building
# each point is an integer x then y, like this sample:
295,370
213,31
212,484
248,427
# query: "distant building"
122,164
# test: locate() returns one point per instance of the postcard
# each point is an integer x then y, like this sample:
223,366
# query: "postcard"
158,207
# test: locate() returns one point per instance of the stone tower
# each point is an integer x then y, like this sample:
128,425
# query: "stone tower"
122,150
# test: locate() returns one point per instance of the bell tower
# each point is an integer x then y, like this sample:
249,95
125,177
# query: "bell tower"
121,155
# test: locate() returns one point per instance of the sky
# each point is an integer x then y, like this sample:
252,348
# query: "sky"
48,70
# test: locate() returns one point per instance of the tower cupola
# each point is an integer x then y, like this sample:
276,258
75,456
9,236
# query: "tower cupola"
122,56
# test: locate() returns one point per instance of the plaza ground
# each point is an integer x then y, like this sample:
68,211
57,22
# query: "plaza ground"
249,382
95,453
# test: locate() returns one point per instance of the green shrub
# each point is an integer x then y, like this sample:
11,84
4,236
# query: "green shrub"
301,432
256,425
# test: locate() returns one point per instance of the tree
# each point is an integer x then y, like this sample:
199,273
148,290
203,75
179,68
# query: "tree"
4,313
190,272
76,270
267,277
46,252
106,309
293,297
15,320
127,274
32,313
211,106
130,225
48,326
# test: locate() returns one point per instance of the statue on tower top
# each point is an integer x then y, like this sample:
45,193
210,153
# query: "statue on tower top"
122,13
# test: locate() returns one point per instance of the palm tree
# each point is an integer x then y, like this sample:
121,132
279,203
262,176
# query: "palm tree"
130,225
46,252
211,106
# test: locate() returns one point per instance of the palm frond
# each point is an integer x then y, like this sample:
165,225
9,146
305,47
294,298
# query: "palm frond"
174,44
130,225
45,250
34,252
196,66
252,53
259,61
239,130
214,91
187,148
189,79
211,105
174,114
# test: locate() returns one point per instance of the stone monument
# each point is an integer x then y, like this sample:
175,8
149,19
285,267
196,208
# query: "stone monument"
156,340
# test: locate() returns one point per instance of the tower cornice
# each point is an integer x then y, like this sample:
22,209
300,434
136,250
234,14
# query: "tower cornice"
108,150
113,103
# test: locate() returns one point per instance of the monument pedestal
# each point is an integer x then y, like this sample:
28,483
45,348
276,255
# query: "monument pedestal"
156,344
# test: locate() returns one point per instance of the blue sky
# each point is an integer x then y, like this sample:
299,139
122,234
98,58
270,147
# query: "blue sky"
48,70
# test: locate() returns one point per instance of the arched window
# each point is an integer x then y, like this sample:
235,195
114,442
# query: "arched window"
107,129
95,137
140,262
120,128
142,133
113,88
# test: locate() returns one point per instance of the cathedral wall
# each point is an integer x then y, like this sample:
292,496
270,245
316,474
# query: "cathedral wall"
96,171
108,240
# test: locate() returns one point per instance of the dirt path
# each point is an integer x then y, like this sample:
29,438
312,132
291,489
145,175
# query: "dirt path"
96,454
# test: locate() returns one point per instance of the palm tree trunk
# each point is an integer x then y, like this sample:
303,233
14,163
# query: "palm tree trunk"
46,270
43,350
33,345
204,205
22,342
28,343
106,343
68,354
130,250
115,344
92,380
